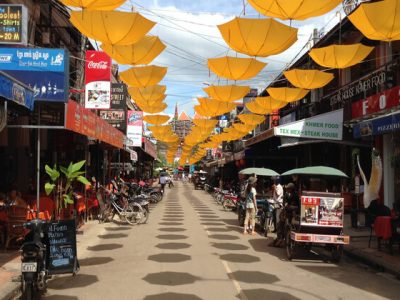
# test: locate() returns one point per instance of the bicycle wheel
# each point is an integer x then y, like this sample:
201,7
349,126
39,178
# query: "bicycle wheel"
132,213
145,217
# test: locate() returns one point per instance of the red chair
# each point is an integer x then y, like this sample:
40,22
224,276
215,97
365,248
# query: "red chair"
16,216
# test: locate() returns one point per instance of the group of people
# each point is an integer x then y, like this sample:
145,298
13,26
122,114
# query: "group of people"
286,203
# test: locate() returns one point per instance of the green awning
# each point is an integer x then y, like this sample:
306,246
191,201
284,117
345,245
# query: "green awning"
316,170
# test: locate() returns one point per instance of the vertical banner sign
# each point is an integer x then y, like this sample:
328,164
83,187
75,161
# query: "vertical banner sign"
135,127
97,80
116,115
13,24
43,70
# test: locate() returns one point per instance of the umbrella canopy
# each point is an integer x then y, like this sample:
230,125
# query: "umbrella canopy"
161,129
251,119
153,109
143,76
294,9
235,68
257,109
156,119
111,27
287,94
269,103
340,56
258,37
152,93
316,170
259,172
245,128
204,122
308,79
378,20
141,53
212,108
94,4
227,93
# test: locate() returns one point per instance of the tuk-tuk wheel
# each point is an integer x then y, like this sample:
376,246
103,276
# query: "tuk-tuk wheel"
290,245
336,252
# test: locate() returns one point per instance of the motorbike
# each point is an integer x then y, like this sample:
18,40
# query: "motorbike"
230,201
264,215
33,256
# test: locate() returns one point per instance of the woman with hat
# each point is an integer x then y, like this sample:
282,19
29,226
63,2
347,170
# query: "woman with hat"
251,205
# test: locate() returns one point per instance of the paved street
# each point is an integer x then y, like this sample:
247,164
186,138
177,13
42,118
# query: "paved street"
192,249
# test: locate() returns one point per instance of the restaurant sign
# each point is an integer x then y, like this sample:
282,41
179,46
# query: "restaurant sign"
376,103
13,24
328,126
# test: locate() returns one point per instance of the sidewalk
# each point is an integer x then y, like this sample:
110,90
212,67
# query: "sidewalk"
379,259
10,261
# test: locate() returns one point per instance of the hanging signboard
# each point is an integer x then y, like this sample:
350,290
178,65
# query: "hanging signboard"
11,90
135,127
62,247
376,103
43,70
97,80
381,125
321,211
13,24
116,115
328,126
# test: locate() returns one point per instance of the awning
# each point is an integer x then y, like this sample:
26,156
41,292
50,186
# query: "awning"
14,90
308,142
377,126
261,137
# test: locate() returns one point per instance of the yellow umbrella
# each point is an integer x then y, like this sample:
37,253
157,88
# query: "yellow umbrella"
378,20
257,109
270,103
143,76
244,127
205,122
156,119
258,37
308,79
160,129
227,93
294,9
287,94
150,102
235,68
340,56
94,4
153,109
152,93
212,108
111,27
141,53
251,119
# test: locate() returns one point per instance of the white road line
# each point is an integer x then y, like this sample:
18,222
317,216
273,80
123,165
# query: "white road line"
234,281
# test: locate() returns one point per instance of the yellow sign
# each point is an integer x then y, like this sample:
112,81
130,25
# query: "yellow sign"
13,24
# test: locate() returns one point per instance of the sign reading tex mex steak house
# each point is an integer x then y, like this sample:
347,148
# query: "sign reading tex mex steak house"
328,126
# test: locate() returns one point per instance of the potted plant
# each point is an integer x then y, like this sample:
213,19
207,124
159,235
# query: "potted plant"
61,184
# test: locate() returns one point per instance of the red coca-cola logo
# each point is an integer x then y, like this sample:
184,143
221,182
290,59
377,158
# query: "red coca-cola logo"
101,65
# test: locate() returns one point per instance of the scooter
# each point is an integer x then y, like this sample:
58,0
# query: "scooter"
33,256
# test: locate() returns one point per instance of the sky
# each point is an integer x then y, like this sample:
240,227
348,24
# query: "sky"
188,28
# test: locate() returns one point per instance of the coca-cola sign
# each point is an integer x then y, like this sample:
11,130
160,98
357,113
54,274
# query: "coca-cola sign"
101,65
97,80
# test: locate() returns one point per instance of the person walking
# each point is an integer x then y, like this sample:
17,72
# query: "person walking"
163,181
278,201
251,206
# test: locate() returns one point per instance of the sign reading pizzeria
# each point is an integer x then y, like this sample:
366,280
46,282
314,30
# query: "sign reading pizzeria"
13,24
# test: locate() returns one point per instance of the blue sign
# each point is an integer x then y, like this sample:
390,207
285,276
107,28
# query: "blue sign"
377,126
12,90
191,169
43,70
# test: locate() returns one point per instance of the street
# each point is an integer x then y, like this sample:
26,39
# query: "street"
192,249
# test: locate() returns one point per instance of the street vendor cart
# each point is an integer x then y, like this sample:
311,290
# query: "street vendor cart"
319,220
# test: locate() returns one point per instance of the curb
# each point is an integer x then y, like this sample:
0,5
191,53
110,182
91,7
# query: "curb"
374,262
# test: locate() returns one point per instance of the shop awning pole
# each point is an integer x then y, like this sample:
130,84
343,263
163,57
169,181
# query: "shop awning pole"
38,168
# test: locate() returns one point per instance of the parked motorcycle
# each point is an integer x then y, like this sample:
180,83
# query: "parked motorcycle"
33,255
230,201
264,215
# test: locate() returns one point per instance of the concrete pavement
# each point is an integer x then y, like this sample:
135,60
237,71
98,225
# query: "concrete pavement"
192,249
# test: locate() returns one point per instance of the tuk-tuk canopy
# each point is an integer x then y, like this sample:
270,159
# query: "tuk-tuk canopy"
259,172
315,170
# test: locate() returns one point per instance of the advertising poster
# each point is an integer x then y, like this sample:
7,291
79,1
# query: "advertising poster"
43,70
14,24
116,115
322,211
97,80
135,127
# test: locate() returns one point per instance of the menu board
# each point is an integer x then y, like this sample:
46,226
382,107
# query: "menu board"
62,247
13,24
322,210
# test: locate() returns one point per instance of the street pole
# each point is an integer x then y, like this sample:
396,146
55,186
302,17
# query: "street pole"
38,167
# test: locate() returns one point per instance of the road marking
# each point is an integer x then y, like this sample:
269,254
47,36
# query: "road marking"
234,281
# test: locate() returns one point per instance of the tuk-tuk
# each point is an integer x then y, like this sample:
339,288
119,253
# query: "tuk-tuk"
319,221
199,180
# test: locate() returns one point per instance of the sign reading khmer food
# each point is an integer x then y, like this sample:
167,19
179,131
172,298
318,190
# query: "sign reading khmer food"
13,24
328,126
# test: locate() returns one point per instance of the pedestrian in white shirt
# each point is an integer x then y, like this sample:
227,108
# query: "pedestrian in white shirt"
278,201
